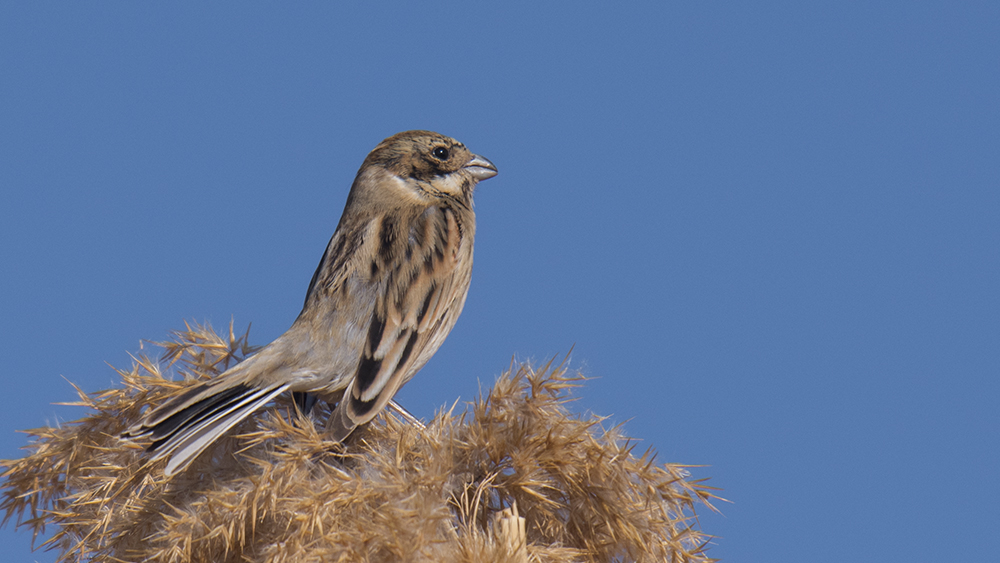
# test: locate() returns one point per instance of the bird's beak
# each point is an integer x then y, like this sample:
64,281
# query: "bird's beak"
480,168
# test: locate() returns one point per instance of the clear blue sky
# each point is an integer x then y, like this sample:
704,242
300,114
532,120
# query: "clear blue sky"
771,229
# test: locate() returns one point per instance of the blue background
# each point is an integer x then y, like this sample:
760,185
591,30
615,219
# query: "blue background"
769,228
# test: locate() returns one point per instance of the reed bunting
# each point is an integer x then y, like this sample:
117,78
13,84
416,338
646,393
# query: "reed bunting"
387,291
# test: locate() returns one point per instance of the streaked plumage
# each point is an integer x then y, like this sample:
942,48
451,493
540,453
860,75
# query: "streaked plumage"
387,291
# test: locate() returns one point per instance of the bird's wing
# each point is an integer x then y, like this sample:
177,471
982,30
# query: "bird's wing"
424,284
335,264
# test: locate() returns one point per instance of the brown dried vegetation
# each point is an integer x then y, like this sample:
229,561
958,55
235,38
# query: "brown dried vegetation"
277,491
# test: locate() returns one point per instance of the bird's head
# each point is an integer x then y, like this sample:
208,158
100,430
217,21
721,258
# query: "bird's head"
430,165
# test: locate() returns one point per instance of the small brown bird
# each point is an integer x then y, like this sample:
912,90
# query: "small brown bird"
386,293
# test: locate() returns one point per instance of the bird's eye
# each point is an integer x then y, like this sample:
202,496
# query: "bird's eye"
440,153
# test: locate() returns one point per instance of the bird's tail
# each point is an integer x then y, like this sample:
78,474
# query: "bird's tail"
185,425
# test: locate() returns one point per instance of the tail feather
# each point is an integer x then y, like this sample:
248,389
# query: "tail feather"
189,443
171,424
183,427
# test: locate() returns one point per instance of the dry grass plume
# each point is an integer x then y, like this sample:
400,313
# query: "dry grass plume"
514,477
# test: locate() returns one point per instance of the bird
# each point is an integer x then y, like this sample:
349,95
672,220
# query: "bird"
388,290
